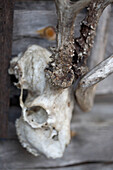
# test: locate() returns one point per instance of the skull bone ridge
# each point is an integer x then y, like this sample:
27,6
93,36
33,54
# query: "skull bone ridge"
44,126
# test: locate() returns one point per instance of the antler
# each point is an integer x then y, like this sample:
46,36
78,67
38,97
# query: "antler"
59,71
69,59
85,94
70,56
84,43
86,89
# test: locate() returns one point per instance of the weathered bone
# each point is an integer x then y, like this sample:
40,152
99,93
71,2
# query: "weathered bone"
86,89
44,126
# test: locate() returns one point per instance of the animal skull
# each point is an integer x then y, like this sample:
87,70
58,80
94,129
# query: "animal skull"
44,126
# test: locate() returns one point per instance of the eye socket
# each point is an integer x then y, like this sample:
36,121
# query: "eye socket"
13,78
37,114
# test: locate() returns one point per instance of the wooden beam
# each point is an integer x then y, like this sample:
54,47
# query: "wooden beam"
6,25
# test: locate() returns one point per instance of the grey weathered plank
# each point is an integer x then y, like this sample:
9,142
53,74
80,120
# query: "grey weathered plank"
26,23
108,83
84,166
101,99
93,143
35,5
101,39
109,47
21,44
106,86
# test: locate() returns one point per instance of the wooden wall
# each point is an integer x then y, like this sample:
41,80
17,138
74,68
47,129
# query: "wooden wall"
92,147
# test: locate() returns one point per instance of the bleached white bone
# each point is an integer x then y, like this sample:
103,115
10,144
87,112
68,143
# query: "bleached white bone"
44,126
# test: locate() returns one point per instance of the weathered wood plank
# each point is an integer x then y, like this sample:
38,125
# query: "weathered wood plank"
26,23
89,149
109,47
6,25
34,5
21,44
84,166
98,51
93,143
107,84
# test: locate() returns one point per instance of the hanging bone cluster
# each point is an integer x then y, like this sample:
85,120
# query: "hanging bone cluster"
44,126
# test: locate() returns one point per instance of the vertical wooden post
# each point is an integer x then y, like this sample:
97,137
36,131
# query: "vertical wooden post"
6,26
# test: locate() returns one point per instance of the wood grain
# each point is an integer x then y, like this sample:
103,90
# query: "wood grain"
6,26
34,5
24,32
98,51
85,166
107,84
